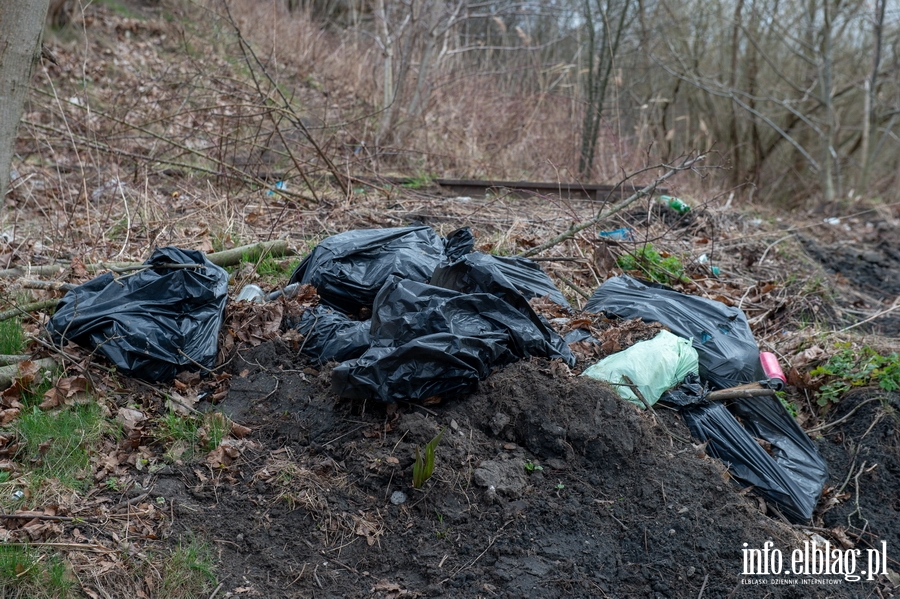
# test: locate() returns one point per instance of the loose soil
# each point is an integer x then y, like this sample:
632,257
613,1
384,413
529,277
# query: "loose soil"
618,507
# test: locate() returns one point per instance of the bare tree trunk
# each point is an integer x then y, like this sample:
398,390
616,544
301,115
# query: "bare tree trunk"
736,172
598,76
387,49
870,96
21,24
825,77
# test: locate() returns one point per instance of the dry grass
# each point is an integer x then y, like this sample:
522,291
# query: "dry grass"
478,123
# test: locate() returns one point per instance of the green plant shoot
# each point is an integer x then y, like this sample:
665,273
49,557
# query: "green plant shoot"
423,467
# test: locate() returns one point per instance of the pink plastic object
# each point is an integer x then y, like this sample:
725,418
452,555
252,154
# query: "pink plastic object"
771,367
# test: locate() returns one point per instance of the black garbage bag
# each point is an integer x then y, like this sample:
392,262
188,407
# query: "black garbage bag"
576,335
150,324
441,364
405,310
500,275
348,269
458,243
728,352
419,322
480,273
329,335
689,392
792,480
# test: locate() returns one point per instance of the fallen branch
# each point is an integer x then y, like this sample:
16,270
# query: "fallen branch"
9,373
873,317
687,164
67,546
6,359
834,423
573,286
224,258
25,309
48,285
742,392
232,257
37,516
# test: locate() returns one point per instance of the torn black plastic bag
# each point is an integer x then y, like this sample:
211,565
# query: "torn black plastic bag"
329,335
348,269
480,273
576,335
150,324
441,364
405,310
792,480
689,392
728,352
477,272
451,340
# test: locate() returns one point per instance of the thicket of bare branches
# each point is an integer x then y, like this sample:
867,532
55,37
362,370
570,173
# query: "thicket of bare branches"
803,99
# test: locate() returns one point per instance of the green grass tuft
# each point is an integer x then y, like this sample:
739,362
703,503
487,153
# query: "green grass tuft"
189,571
12,338
25,573
58,443
190,435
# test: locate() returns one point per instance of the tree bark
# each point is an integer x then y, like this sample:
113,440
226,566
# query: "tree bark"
21,24
387,50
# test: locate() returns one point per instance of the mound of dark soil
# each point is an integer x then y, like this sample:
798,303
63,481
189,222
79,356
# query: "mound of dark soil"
545,486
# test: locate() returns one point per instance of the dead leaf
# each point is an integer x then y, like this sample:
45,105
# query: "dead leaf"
604,260
611,346
27,376
44,447
129,418
182,403
78,267
811,354
67,391
366,528
797,379
223,456
8,415
240,431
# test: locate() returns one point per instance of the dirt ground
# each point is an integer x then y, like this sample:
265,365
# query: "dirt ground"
545,485
619,508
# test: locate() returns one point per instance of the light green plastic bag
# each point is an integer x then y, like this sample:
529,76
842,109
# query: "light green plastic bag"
655,366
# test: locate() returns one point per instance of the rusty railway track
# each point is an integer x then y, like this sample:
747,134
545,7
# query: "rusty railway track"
483,188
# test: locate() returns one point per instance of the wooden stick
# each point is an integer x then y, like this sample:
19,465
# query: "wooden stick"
873,317
32,307
47,285
573,286
224,258
70,546
35,516
743,391
6,359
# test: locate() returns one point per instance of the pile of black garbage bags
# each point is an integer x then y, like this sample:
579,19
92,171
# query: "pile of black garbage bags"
441,317
410,315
